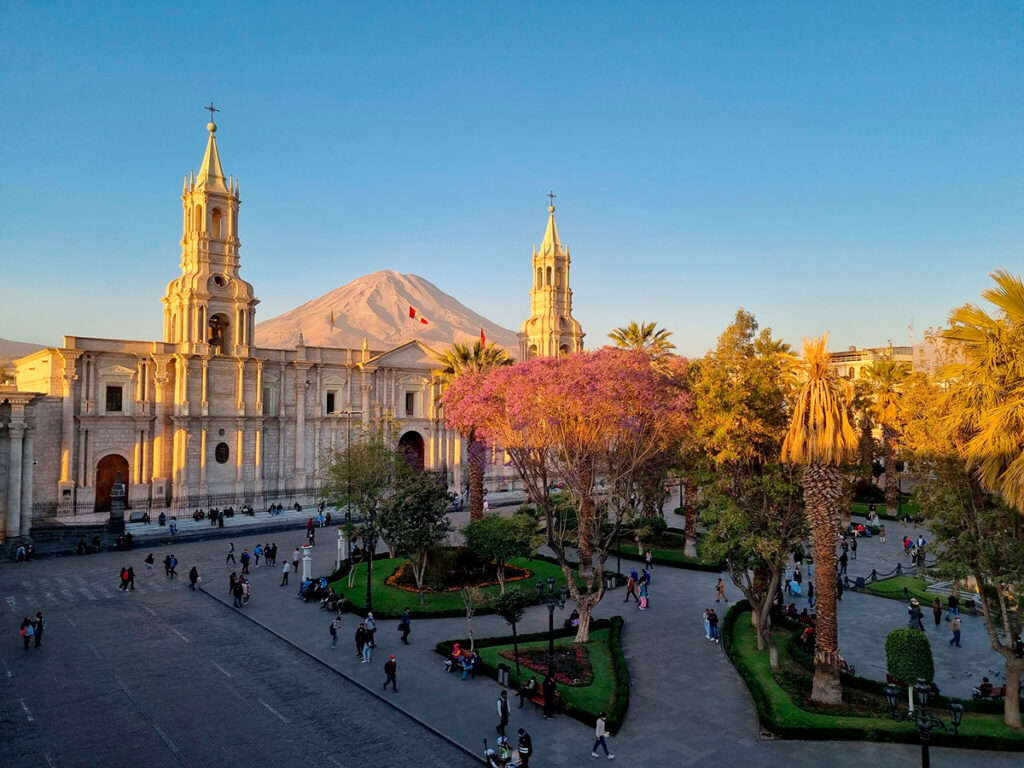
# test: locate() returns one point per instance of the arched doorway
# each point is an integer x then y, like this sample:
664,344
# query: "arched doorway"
106,475
411,445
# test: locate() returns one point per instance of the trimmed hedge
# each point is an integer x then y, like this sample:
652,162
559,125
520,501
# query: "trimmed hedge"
619,702
781,715
908,656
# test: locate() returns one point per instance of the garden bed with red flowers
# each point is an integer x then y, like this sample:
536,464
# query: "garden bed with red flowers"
572,663
452,581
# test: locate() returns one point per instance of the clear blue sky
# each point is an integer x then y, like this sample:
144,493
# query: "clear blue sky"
828,167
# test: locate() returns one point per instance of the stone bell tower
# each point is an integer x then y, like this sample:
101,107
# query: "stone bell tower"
210,310
551,330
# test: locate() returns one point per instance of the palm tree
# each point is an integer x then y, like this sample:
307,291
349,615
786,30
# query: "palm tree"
886,378
821,438
457,360
645,337
985,394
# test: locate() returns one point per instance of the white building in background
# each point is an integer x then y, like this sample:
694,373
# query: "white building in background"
202,417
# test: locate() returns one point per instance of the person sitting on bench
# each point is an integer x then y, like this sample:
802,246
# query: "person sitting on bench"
985,687
528,691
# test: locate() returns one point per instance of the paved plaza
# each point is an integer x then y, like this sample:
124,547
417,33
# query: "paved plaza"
166,677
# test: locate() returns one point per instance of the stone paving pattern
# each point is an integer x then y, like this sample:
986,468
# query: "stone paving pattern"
163,676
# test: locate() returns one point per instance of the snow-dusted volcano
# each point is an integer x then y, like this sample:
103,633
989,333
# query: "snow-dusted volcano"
376,307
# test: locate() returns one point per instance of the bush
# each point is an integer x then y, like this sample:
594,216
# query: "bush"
908,656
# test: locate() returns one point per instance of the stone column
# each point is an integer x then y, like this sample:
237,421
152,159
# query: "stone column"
205,405
26,481
159,427
66,486
365,404
202,458
300,421
16,431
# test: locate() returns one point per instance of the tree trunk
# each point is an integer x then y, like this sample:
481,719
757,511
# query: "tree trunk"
1011,706
866,446
501,577
515,646
585,605
690,512
822,491
475,453
892,487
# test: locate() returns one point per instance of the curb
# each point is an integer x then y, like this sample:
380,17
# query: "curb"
473,753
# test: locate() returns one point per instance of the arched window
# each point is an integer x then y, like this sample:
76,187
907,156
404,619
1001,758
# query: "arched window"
197,221
563,350
548,277
540,279
215,220
217,333
558,278
531,352
850,373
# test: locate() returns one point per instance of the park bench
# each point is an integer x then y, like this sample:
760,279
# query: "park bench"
537,698
464,655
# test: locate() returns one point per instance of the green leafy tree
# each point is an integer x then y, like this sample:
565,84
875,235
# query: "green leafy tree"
886,378
413,517
498,538
363,474
644,337
981,538
459,360
511,606
754,516
908,656
821,439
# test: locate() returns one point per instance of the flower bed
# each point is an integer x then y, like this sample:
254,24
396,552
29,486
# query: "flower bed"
403,579
572,662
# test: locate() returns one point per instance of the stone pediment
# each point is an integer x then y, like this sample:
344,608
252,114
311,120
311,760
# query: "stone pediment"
116,370
412,354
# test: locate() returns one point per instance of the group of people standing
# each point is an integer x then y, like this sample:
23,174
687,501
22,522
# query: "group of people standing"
33,629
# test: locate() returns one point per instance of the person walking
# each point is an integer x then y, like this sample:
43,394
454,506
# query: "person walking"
390,669
720,592
272,554
335,626
403,626
839,587
843,560
131,578
707,623
231,554
643,596
295,560
167,566
524,747
648,560
599,734
367,648
27,631
246,557
174,567
371,630
238,593
285,570
550,689
713,624
256,552
193,577
937,611
881,533
360,640
40,625
149,564
810,593
853,547
503,713
231,583
631,589
955,626
914,614
953,603
124,579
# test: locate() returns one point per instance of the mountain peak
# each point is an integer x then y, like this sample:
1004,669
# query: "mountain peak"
376,307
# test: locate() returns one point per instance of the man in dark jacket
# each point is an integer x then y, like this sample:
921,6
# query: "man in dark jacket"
549,688
390,668
525,748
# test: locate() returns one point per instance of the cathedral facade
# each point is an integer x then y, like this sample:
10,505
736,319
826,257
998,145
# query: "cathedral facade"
205,417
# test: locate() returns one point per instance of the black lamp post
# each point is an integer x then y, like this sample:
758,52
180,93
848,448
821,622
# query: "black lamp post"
921,717
551,600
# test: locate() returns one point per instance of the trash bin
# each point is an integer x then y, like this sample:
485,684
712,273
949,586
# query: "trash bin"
503,674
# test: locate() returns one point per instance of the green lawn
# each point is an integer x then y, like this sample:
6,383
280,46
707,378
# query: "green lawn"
860,509
592,698
785,717
664,555
893,589
389,602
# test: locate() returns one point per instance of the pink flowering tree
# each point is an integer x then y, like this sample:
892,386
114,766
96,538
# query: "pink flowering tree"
592,421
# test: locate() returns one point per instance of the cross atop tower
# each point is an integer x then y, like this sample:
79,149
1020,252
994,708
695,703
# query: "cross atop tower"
551,195
211,109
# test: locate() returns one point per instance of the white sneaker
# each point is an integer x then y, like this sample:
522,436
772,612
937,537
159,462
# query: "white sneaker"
594,754
611,757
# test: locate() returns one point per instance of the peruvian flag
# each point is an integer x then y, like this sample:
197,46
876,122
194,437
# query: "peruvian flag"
483,339
415,315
